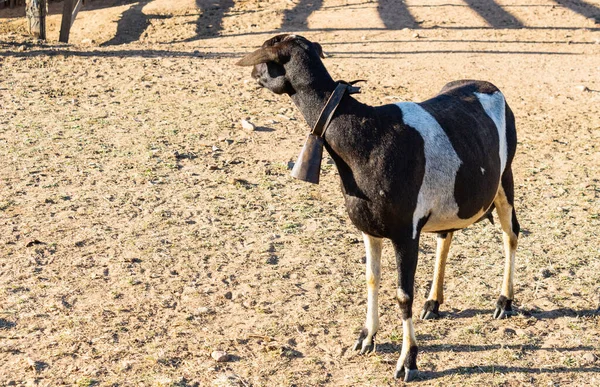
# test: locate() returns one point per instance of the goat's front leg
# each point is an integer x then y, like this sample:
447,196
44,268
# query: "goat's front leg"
406,259
366,339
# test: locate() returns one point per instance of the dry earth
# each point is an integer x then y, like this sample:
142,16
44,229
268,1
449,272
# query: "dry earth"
141,228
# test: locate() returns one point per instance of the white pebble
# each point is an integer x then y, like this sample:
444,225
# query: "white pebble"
247,125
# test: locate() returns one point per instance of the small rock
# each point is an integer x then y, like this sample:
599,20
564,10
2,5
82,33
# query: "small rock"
546,272
589,357
22,48
125,365
87,41
215,148
248,125
582,88
31,363
220,356
272,260
522,332
508,331
228,295
203,310
416,35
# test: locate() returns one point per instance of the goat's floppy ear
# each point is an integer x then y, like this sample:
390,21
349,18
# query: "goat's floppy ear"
262,55
319,49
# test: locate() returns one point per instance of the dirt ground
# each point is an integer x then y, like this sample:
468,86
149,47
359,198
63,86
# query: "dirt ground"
142,228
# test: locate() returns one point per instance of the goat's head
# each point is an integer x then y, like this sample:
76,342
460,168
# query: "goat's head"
286,63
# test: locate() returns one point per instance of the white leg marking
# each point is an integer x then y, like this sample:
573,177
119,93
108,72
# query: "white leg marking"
373,275
408,340
482,170
441,166
495,108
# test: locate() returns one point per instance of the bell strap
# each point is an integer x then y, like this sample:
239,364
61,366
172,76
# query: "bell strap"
332,103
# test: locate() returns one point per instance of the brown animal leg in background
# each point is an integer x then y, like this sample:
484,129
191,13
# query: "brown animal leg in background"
436,295
510,227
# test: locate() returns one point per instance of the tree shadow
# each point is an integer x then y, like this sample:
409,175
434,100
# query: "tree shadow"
210,19
395,15
494,14
581,7
131,25
66,52
296,19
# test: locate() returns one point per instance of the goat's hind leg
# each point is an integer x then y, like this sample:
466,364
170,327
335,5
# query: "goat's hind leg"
366,339
431,309
504,202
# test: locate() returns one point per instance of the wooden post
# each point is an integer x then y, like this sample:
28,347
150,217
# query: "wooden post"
36,14
70,10
65,25
76,11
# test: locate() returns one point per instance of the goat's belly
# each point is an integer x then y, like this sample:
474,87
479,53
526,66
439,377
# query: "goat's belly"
439,222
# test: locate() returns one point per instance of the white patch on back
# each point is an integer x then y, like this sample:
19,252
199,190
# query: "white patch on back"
494,106
436,195
482,170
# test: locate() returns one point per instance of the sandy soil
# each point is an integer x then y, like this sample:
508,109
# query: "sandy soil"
141,228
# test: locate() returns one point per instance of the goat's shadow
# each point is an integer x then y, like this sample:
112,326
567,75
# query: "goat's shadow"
392,348
534,313
495,369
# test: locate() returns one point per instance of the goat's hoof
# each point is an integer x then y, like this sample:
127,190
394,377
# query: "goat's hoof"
431,310
363,343
503,308
409,375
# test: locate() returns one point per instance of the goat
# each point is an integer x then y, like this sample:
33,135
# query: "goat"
436,166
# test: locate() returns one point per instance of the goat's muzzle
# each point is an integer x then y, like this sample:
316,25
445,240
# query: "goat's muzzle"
308,165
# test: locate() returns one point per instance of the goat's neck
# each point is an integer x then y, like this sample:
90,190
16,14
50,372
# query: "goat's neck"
311,100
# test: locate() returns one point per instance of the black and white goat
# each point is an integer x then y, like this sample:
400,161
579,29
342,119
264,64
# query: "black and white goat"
436,166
